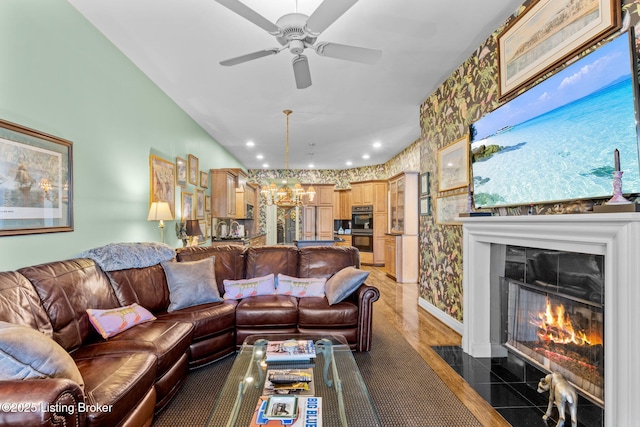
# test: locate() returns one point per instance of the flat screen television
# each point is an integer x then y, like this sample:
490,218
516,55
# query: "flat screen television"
556,141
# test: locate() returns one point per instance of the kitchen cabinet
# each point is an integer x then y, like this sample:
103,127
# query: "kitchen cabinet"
223,193
403,203
246,201
373,193
403,227
342,204
390,255
346,238
324,222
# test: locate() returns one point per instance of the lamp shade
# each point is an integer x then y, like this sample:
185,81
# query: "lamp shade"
193,228
159,211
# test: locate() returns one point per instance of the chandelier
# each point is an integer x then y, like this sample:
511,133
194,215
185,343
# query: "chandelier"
286,195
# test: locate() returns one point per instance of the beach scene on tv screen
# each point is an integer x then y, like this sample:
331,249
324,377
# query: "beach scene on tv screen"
556,141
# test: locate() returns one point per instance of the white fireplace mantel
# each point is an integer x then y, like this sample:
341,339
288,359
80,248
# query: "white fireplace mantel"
617,237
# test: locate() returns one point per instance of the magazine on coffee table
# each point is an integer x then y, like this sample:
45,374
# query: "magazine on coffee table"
290,351
309,412
289,381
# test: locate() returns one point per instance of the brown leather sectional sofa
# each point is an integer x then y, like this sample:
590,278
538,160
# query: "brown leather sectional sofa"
132,375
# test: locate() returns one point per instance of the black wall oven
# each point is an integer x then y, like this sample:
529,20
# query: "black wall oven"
362,228
363,242
362,218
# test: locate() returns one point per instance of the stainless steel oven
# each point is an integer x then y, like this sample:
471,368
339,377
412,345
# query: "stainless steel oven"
362,240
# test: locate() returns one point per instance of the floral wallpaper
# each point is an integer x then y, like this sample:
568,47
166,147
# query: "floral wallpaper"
468,94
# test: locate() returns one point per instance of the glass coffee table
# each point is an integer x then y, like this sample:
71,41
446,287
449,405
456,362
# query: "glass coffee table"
336,379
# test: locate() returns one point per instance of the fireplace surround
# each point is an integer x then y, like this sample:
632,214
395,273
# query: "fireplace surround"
615,237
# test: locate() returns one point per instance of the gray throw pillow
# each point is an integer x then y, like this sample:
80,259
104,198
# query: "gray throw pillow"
191,283
26,353
344,283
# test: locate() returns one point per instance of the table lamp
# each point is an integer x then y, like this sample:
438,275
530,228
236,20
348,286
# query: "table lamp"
193,231
159,211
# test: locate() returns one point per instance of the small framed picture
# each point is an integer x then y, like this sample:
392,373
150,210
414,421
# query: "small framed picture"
199,203
204,179
281,407
187,206
425,206
448,208
453,165
424,184
181,172
193,169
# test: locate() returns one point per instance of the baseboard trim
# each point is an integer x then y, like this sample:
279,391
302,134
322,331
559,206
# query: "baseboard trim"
454,324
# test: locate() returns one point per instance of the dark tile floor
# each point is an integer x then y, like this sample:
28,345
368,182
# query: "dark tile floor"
509,384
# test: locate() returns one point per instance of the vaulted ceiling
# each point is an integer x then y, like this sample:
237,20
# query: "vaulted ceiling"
352,112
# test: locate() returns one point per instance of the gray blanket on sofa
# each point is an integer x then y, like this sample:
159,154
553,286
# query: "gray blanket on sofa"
120,256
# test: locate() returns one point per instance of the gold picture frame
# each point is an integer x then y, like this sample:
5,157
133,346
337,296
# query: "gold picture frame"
186,210
181,172
546,35
200,202
163,182
453,165
448,208
193,169
204,179
38,197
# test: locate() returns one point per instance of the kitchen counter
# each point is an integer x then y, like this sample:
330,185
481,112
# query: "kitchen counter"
302,243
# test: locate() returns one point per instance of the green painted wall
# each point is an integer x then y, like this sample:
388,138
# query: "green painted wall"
60,76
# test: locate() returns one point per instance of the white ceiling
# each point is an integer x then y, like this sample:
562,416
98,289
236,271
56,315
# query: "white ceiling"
178,44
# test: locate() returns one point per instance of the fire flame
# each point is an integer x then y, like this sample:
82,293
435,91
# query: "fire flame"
558,328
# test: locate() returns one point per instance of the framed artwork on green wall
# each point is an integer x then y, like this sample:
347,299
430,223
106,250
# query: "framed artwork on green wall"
193,169
163,182
181,172
36,186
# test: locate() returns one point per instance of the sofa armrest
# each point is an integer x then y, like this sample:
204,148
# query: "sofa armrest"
365,296
41,402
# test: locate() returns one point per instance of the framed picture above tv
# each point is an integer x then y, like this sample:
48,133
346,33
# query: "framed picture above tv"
555,142
547,34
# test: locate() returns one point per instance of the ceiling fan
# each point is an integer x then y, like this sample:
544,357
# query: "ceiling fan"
297,32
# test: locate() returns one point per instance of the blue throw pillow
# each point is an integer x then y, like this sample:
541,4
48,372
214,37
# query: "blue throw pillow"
344,283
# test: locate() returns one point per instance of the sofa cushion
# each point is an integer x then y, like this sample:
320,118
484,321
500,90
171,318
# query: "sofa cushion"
166,340
67,289
207,319
118,382
229,260
324,261
191,283
344,283
301,288
267,311
238,289
263,260
317,313
20,303
112,321
27,353
145,286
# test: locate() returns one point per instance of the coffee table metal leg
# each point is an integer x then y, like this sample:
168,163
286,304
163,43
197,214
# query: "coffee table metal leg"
325,347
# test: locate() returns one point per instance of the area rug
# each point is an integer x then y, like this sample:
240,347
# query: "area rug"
405,390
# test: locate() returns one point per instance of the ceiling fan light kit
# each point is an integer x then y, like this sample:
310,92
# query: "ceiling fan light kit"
297,32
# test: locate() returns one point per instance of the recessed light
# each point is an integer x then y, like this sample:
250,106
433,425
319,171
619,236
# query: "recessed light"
377,144
259,157
349,163
311,165
250,144
265,165
365,156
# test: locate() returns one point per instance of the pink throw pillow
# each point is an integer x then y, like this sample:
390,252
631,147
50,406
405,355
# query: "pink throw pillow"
238,289
297,287
112,321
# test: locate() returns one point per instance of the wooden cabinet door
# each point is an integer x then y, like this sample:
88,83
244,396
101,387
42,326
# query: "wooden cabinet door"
379,197
367,194
325,222
231,195
324,194
337,204
345,205
356,194
390,255
308,223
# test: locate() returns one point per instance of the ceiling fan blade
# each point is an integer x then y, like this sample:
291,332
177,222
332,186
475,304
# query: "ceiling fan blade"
348,53
301,71
249,57
250,15
326,14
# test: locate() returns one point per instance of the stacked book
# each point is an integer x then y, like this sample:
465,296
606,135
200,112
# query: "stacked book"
288,396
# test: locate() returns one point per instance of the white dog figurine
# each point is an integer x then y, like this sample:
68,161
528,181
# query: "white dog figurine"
560,393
